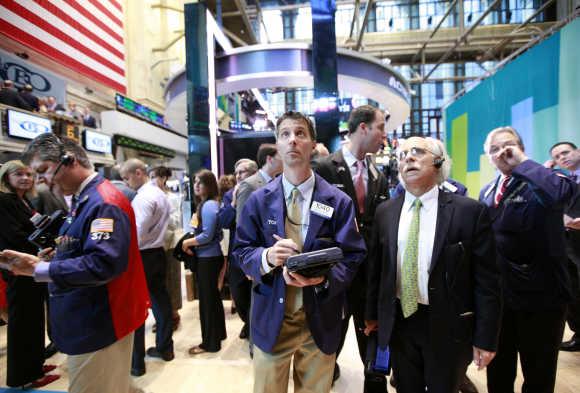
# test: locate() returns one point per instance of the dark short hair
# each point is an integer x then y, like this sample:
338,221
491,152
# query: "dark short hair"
49,147
161,171
264,151
297,116
362,114
573,146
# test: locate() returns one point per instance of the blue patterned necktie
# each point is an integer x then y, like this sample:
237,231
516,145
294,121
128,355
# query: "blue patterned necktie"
409,282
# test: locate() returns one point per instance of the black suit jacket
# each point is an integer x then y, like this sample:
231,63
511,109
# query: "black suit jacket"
464,280
334,170
30,99
573,236
12,98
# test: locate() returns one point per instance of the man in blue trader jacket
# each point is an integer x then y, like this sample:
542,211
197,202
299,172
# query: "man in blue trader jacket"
526,206
295,317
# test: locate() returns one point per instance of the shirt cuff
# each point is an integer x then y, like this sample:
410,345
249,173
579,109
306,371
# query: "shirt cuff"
265,268
42,272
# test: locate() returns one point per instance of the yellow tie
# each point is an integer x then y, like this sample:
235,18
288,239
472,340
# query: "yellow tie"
293,226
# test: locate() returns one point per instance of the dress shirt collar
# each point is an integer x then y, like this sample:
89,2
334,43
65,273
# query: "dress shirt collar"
85,182
428,199
350,159
306,188
266,177
145,186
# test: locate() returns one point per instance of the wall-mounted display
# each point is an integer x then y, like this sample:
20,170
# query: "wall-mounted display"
25,125
97,142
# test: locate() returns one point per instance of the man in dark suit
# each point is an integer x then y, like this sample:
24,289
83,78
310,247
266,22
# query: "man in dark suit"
29,98
433,291
367,187
240,286
295,317
567,156
9,96
88,119
270,165
526,204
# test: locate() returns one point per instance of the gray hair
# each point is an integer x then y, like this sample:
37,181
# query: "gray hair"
437,147
49,147
499,130
252,165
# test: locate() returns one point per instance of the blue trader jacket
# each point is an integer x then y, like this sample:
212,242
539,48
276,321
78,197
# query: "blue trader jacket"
263,216
98,293
529,233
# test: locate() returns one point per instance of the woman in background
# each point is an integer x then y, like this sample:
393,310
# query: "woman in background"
210,261
25,354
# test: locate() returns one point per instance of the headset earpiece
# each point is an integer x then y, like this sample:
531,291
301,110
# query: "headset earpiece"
66,160
438,162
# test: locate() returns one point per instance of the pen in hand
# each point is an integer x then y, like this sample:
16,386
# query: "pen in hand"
278,238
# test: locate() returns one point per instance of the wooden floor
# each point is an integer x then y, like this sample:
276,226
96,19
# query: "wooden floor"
230,370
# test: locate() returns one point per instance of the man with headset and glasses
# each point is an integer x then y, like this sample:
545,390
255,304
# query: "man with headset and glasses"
433,290
96,280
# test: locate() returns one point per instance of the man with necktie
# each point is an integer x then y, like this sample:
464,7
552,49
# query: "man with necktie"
433,290
565,155
526,203
352,171
294,317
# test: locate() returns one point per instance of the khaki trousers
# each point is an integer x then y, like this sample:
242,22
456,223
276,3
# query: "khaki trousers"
313,369
106,370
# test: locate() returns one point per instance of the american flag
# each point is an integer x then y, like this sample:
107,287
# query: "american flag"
86,36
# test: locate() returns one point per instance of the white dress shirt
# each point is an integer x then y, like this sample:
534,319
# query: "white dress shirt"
151,216
306,189
427,224
351,161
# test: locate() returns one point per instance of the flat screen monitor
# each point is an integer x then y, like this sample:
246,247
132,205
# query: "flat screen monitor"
97,142
27,126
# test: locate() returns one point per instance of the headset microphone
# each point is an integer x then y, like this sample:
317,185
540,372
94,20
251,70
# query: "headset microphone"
438,162
65,160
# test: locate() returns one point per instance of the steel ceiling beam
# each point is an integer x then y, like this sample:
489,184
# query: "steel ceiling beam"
241,4
488,55
461,39
361,32
447,12
354,19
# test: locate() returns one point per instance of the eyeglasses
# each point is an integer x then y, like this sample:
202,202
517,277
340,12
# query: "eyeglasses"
239,172
416,152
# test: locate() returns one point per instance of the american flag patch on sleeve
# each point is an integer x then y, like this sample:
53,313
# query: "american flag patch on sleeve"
102,225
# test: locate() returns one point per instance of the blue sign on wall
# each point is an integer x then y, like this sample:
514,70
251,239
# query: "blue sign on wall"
44,83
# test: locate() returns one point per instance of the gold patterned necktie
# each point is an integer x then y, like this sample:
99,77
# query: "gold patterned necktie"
293,226
409,281
294,221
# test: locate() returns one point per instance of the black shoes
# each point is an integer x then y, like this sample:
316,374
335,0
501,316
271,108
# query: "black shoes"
154,353
137,372
467,386
50,350
244,333
572,345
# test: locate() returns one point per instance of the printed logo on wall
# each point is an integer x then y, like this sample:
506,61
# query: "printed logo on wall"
22,72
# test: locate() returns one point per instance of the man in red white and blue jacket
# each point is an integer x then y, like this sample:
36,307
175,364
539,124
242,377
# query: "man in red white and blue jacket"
98,293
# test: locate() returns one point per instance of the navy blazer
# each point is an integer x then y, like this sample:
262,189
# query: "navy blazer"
529,233
263,216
